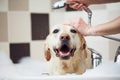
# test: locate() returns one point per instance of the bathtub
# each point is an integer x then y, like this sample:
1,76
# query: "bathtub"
29,69
69,77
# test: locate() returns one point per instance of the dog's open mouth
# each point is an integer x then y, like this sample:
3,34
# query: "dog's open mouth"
64,52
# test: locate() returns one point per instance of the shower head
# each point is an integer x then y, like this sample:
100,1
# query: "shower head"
59,4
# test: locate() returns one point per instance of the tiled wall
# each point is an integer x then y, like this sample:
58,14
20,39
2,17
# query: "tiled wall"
4,27
24,24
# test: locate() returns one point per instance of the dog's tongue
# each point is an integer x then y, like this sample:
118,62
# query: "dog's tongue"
64,53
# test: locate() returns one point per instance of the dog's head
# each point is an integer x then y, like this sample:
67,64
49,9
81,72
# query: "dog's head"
63,42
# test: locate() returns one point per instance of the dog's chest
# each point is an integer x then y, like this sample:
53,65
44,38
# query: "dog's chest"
69,67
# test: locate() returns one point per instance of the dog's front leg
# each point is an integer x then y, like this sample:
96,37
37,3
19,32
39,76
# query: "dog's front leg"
81,68
55,67
56,71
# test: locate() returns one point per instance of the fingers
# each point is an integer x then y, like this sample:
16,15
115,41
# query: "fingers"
80,25
75,22
76,6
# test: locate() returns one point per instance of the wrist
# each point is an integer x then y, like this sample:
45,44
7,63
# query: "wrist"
86,2
91,32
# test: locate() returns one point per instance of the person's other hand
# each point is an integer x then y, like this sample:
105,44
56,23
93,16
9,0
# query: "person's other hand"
80,25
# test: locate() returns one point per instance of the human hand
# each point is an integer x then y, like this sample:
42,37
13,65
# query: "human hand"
76,4
80,25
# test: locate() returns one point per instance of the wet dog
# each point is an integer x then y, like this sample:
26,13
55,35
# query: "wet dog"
66,50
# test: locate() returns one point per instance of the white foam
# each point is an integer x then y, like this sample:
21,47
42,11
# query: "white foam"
32,70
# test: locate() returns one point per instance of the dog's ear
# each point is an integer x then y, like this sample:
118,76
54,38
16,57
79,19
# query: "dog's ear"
47,53
84,48
83,45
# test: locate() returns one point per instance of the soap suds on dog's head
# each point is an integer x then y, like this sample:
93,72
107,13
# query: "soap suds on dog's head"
29,67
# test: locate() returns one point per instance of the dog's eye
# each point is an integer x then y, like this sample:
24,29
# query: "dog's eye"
56,31
73,31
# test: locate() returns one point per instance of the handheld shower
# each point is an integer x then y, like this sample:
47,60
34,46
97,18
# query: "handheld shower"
63,3
59,4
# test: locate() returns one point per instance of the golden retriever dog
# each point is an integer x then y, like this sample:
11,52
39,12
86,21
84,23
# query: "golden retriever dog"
66,51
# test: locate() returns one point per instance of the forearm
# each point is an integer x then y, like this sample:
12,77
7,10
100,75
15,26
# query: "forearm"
90,2
112,27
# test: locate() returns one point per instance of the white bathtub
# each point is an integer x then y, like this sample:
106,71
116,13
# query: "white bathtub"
74,77
30,69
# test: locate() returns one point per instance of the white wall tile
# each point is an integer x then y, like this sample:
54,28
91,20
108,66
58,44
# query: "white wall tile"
37,50
113,46
97,7
113,6
56,18
4,46
19,26
42,6
4,5
101,45
99,17
76,14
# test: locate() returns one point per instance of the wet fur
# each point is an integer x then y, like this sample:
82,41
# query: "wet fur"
76,64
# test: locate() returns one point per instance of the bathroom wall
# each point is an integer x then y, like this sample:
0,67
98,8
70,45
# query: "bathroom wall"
24,24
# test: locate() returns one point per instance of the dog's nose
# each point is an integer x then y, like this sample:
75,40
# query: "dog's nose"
64,37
